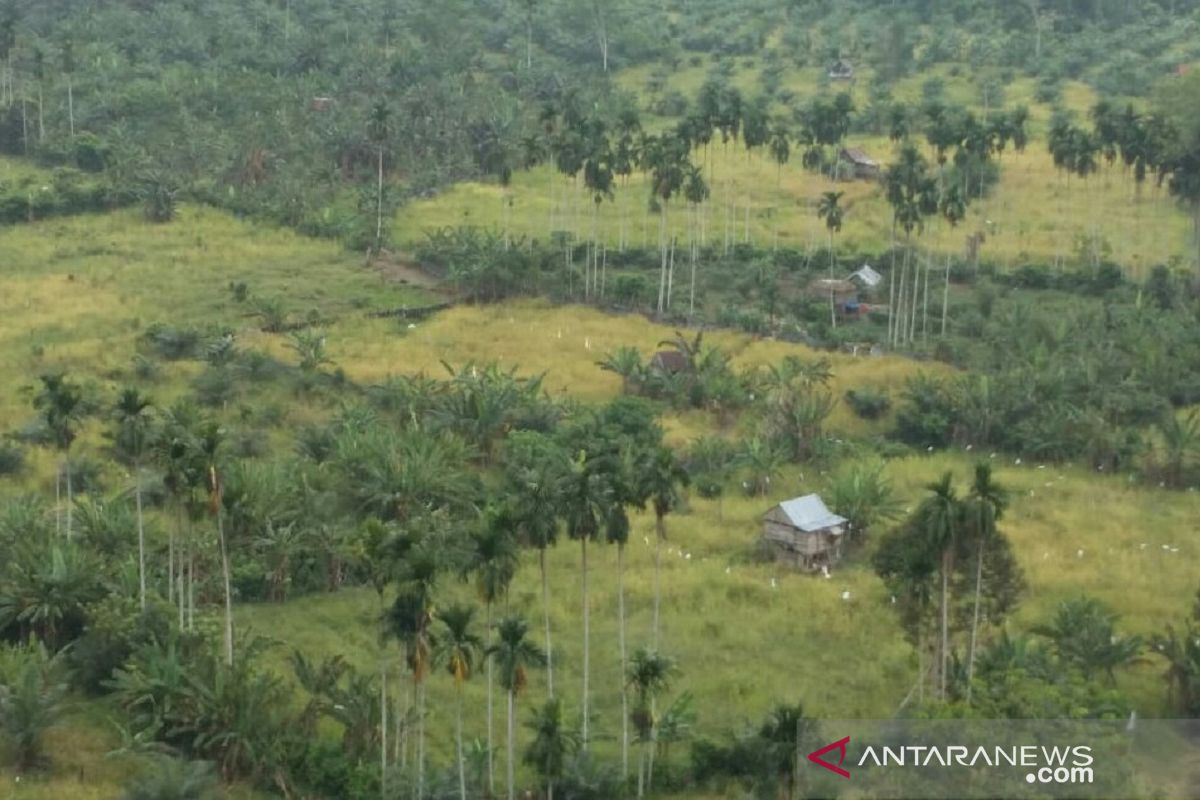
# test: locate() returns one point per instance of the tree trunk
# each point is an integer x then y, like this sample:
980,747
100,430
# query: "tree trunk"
58,500
71,104
458,744
832,304
491,761
137,494
942,661
511,747
975,617
624,661
660,532
70,500
586,642
420,737
379,204
383,714
946,296
228,591
546,619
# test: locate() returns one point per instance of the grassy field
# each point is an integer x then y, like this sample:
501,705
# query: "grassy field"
1033,214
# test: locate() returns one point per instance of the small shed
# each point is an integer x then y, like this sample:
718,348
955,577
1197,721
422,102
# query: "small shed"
867,277
862,166
843,291
841,70
804,533
671,361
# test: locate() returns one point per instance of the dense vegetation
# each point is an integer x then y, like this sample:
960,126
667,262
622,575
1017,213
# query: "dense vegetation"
257,426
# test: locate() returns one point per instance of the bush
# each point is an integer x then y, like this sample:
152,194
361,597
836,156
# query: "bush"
12,458
868,403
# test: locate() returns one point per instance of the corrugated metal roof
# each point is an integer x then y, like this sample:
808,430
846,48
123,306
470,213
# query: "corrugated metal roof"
868,275
809,513
859,156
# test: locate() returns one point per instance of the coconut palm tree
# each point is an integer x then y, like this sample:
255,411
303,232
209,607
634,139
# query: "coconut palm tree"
493,560
649,675
830,210
131,441
515,655
458,648
60,403
552,746
985,505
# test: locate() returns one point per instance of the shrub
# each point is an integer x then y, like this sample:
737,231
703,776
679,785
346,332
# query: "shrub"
12,458
868,403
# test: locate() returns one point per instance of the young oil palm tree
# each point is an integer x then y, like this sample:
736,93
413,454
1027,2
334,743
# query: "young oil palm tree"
458,648
515,655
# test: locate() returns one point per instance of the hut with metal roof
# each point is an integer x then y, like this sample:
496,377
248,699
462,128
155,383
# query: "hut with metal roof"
804,533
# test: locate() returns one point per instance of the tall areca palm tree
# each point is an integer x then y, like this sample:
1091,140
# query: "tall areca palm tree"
941,518
61,405
493,562
830,210
458,648
649,675
616,531
131,440
985,505
379,131
515,655
210,440
662,480
584,505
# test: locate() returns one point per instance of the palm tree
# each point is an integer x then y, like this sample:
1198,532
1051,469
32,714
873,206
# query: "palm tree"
61,405
1180,435
985,505
616,531
584,505
493,561
458,648
210,441
1083,632
379,131
649,675
940,516
131,440
515,655
662,480
537,469
626,362
552,746
31,703
828,209
410,620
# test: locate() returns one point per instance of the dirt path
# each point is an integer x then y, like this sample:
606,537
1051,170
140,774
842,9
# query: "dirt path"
399,267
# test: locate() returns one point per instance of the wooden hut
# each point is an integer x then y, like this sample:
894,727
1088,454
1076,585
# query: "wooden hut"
670,361
804,533
862,166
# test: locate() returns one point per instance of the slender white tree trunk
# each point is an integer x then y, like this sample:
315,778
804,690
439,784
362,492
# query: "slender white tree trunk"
624,660
511,747
379,205
586,642
70,500
945,629
975,617
491,749
383,717
228,591
71,104
458,744
546,620
137,494
659,533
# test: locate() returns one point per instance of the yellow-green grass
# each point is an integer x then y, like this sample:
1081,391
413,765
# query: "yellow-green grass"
1033,214
77,293
747,635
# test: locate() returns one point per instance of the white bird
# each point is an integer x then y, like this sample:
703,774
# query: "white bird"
893,599
825,570
1143,547
774,585
993,455
688,557
1045,556
728,570
1174,549
968,447
1079,553
1018,461
846,595
1166,547
587,343
1041,466
412,325
646,539
929,449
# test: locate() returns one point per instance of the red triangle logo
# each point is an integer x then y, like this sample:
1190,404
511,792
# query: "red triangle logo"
840,746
